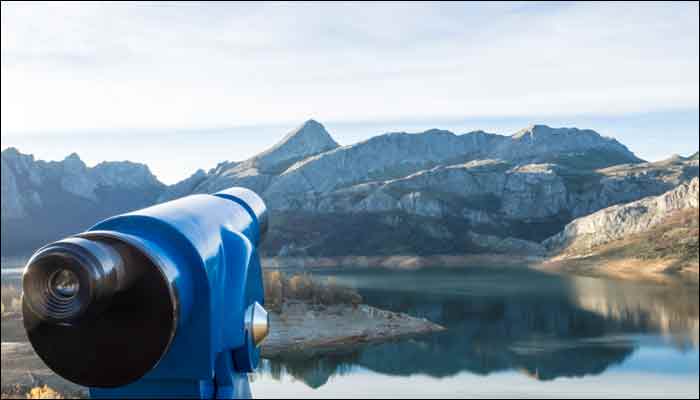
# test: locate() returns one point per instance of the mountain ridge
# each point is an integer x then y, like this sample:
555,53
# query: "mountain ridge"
445,188
64,197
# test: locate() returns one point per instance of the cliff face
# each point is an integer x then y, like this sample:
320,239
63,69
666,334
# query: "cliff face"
654,238
43,201
498,198
489,190
619,221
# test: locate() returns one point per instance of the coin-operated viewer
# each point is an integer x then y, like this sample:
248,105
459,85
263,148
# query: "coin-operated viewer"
166,301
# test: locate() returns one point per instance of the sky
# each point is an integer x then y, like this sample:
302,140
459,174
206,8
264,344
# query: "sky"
182,86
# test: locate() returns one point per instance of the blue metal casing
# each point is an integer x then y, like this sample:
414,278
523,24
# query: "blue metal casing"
206,246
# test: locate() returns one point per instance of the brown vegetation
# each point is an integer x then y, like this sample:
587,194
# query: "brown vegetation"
674,240
38,392
280,288
11,299
43,392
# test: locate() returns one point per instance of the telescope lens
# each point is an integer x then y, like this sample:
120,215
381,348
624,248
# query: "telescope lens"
98,310
65,284
66,278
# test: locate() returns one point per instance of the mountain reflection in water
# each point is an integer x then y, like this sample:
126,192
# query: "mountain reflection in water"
545,326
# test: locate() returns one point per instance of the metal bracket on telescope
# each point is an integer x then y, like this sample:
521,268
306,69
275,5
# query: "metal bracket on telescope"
161,302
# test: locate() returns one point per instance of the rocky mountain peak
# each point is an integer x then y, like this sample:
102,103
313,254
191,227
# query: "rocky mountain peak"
568,145
14,156
533,131
308,139
544,132
438,132
73,163
124,174
11,152
312,134
309,124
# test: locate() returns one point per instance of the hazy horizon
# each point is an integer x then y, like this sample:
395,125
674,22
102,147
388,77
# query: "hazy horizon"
187,150
182,86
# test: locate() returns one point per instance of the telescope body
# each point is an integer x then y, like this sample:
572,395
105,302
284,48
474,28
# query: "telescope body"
161,302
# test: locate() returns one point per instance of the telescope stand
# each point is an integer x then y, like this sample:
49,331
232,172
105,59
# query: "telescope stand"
227,384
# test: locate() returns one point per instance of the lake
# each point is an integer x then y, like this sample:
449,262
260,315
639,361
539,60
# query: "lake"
511,332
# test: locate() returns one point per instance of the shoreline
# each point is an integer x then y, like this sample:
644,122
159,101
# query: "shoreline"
626,268
661,270
399,262
304,330
588,265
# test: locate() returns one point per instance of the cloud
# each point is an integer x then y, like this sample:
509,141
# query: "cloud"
78,66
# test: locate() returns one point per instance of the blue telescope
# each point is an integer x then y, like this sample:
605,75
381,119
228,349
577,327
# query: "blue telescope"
160,302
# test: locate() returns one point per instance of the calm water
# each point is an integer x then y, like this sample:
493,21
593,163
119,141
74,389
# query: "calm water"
510,333
514,333
12,271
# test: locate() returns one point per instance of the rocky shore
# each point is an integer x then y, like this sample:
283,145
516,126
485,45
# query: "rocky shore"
304,330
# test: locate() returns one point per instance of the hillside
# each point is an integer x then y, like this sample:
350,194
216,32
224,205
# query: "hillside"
650,236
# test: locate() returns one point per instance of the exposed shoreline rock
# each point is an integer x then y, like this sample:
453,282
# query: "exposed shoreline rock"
661,271
400,261
657,270
303,331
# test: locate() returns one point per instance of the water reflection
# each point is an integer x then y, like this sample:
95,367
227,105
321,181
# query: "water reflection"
544,326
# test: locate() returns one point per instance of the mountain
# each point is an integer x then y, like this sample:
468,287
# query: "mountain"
433,211
571,147
662,228
397,155
256,173
43,201
309,139
439,192
309,160
618,221
433,192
